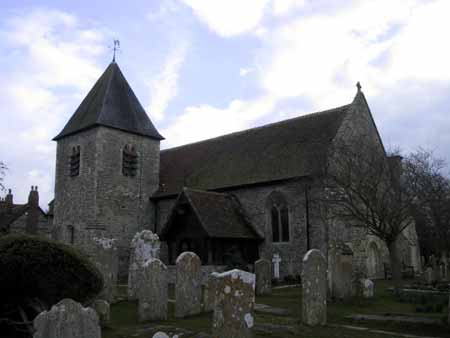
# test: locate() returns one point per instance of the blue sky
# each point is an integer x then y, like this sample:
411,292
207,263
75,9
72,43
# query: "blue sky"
203,68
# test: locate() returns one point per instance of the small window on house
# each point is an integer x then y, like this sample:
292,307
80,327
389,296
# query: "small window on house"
129,161
75,162
279,218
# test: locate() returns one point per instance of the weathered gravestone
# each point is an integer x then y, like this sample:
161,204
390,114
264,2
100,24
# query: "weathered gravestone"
160,334
436,269
188,287
145,245
235,300
153,291
367,288
210,292
106,259
67,319
103,311
429,275
342,280
314,288
263,272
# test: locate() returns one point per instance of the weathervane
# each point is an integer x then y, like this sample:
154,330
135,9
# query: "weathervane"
115,48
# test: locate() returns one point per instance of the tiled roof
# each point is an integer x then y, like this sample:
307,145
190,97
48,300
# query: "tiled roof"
220,215
291,148
111,103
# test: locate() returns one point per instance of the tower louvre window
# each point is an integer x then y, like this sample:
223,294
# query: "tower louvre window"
129,161
75,161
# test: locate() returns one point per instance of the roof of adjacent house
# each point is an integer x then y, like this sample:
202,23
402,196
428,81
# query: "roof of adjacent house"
111,103
8,217
292,148
220,215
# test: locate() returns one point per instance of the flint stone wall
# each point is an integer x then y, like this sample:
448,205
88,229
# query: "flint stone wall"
234,303
67,319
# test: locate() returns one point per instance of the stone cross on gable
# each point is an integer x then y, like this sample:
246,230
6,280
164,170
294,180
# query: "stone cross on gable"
276,259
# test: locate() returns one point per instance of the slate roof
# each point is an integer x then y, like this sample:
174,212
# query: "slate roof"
292,148
220,215
111,103
7,218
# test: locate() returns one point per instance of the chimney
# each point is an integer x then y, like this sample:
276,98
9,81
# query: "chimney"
9,201
33,211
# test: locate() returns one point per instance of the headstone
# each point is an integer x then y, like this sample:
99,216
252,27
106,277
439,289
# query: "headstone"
235,299
210,292
367,288
160,334
67,319
263,272
106,259
435,267
276,260
103,311
429,275
342,280
188,287
153,291
145,245
314,288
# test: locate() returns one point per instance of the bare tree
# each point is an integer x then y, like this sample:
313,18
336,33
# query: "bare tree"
431,188
363,188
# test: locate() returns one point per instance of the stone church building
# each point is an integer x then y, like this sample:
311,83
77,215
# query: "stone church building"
231,199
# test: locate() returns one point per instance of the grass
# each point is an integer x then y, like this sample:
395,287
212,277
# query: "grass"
125,323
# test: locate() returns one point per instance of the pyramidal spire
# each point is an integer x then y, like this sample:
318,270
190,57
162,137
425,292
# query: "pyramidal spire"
111,103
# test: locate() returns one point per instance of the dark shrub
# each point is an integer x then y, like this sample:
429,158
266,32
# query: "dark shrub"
35,268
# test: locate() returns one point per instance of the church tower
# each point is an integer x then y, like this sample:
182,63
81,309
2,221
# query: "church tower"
107,166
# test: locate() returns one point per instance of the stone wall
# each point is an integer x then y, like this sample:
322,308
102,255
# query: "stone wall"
101,200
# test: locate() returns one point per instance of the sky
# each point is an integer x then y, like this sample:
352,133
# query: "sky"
203,68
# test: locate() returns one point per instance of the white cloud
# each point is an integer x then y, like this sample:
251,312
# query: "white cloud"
283,7
164,87
53,63
231,17
205,121
245,71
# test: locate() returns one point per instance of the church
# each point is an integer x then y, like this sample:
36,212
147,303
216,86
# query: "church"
231,199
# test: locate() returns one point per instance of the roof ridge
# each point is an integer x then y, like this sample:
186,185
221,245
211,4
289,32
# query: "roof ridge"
314,114
187,189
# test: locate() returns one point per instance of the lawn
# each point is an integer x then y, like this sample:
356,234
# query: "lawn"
125,324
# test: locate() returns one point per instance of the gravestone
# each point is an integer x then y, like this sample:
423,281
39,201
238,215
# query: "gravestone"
210,292
435,267
145,245
160,334
67,319
342,280
314,286
233,310
429,275
188,287
276,260
106,259
263,272
103,311
153,291
367,288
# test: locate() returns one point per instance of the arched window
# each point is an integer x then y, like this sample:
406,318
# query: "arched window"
279,217
129,161
75,161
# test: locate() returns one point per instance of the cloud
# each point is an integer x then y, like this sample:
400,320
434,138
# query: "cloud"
231,17
51,63
245,71
164,87
205,121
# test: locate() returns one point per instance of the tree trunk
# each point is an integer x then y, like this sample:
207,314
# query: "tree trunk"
396,266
